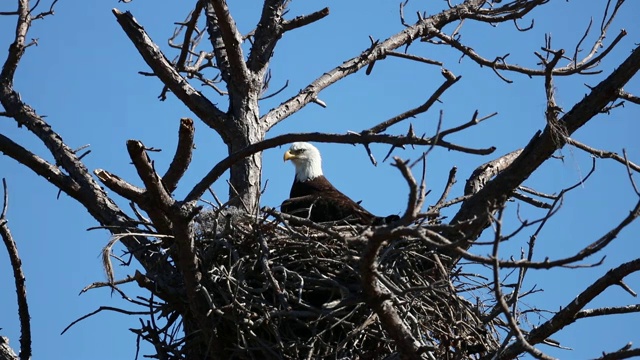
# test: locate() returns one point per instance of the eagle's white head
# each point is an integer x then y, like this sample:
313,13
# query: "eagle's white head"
306,159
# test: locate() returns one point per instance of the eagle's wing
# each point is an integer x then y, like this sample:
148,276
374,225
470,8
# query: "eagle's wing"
320,201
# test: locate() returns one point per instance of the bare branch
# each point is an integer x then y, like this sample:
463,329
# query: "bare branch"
500,64
513,324
597,45
351,66
629,97
153,56
182,157
40,166
415,111
531,201
474,121
602,153
589,250
232,40
16,50
45,13
190,27
303,20
414,58
510,11
78,181
148,175
111,284
540,148
381,300
625,353
349,138
276,92
19,278
567,314
120,186
451,180
104,308
416,193
629,173
608,311
552,109
537,193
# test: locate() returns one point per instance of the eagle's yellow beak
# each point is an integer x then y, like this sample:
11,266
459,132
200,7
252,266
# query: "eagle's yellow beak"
288,155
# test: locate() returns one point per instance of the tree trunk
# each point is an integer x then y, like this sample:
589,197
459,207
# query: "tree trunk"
246,175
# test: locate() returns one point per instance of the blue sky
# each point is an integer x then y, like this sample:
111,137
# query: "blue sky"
83,76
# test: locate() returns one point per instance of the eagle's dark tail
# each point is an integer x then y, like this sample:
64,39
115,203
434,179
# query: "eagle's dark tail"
380,220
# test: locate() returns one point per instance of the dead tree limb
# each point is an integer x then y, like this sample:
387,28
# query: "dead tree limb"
182,158
363,138
473,215
161,66
19,278
6,352
467,9
78,181
567,315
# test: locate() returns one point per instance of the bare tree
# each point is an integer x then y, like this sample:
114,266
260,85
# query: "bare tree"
238,281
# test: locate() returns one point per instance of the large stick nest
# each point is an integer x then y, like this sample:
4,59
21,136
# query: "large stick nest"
293,292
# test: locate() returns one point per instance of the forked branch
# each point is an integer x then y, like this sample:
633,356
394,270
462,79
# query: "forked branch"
148,175
161,66
378,51
449,81
567,314
267,34
470,219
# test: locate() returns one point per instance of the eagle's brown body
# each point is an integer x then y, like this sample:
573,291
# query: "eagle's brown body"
313,197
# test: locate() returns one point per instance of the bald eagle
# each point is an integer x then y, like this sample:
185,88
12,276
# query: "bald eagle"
312,195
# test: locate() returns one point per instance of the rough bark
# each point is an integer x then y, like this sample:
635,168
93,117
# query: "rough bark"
6,352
